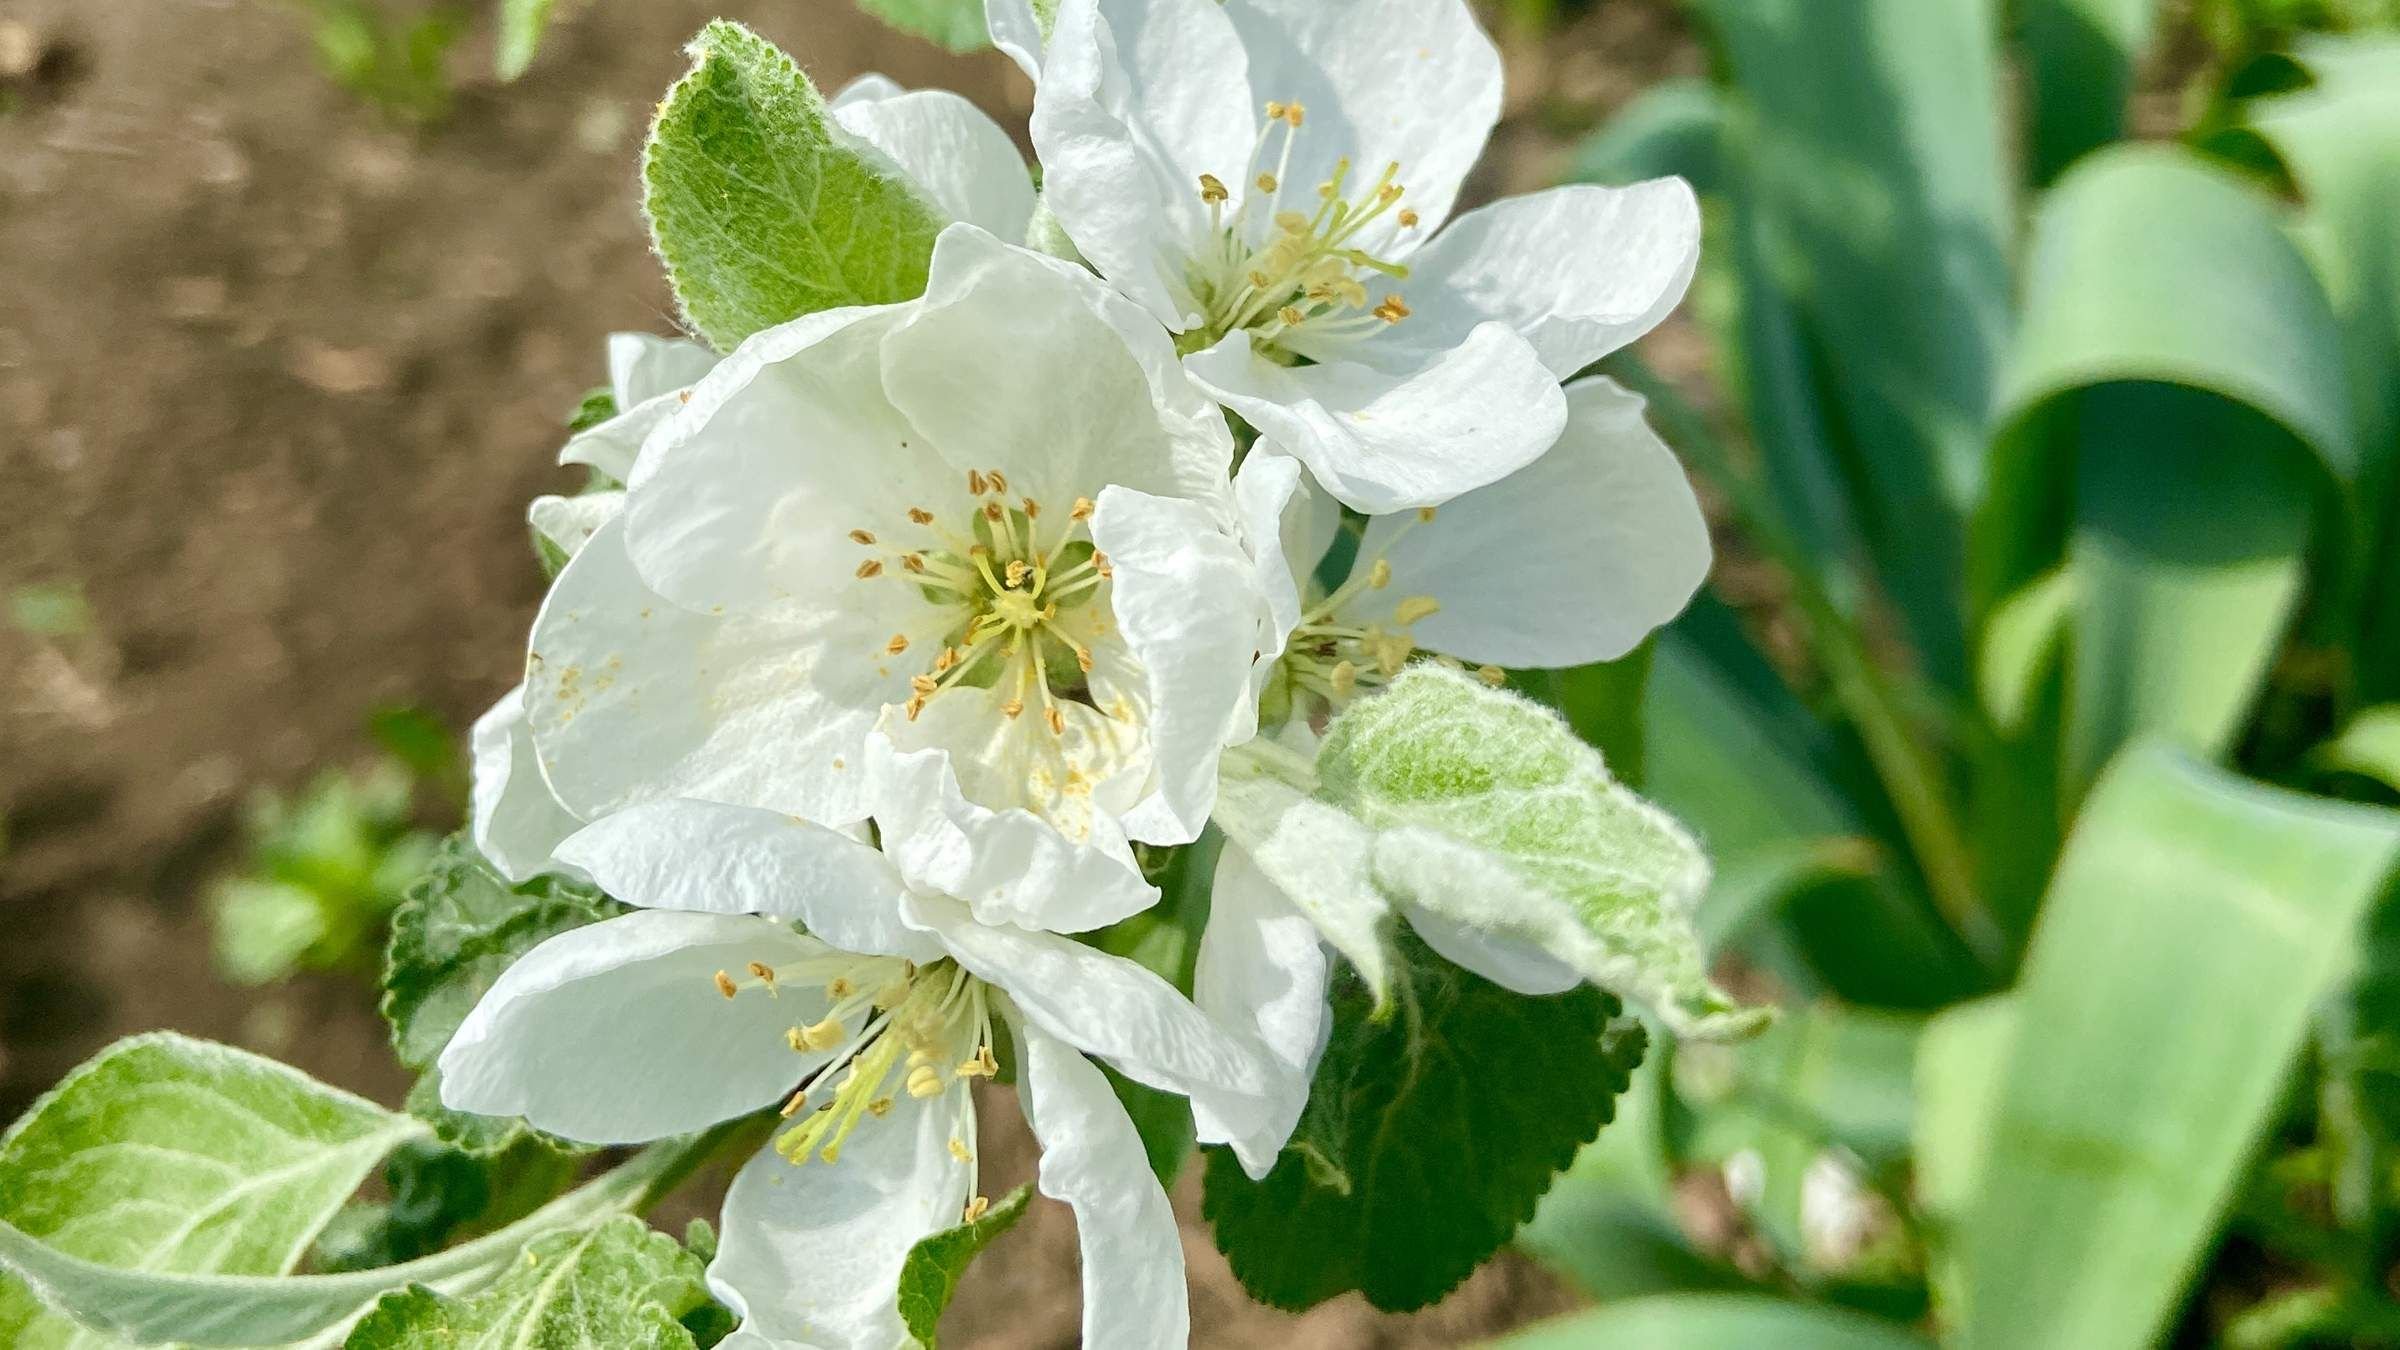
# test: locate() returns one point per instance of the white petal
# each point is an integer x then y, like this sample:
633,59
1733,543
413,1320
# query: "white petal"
644,366
1318,855
1512,963
1137,99
1262,969
517,821
1409,82
1190,611
811,1255
961,157
867,88
1092,1158
1105,1006
632,698
745,499
1575,558
570,522
715,859
614,445
1099,399
1382,441
616,1033
1579,271
1286,526
1009,865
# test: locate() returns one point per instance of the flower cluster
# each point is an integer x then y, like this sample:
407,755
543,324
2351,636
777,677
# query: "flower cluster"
895,645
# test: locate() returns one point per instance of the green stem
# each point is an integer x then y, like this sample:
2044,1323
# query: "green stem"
1867,693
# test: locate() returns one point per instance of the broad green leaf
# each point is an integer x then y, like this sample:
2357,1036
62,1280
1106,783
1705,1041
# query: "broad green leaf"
759,212
1674,127
1713,1322
619,1285
2369,746
931,1274
151,1307
1421,1150
1492,814
522,23
1873,224
2193,922
1957,1086
2176,401
460,927
955,24
2079,58
173,1156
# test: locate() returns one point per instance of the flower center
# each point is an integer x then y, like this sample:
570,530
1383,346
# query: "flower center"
929,1028
1333,654
1012,578
1284,273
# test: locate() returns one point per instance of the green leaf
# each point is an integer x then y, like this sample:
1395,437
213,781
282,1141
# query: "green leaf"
597,406
1421,1150
2193,922
522,23
1674,127
1493,815
434,1189
169,1155
2368,746
619,1285
931,1274
955,24
1873,220
759,212
2079,60
1714,1322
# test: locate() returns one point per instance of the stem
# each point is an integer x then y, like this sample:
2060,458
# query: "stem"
1866,692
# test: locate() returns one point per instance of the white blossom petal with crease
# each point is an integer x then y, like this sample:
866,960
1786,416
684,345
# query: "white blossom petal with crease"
517,821
1512,963
1385,441
570,522
811,1256
1579,271
616,1033
947,146
1262,968
1573,559
1092,1158
706,857
647,375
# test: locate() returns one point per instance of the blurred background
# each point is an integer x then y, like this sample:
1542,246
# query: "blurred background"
2040,381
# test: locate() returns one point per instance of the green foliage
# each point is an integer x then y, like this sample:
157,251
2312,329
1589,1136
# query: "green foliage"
1712,1322
165,1155
931,1274
461,926
396,60
618,1285
324,873
954,24
1422,1150
759,212
522,23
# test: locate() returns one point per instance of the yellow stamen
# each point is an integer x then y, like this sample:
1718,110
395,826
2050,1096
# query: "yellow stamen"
920,516
1491,675
1425,515
1013,709
1416,609
869,568
998,480
924,1082
880,1107
1380,575
1083,509
1344,678
1058,724
792,1107
974,483
958,1150
914,562
1408,220
1392,310
725,984
1033,509
976,1208
1212,189
898,644
861,537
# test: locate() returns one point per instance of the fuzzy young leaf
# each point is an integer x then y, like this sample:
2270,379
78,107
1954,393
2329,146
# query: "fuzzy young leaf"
759,212
955,24
169,1155
1428,1138
1491,815
620,1285
930,1275
459,928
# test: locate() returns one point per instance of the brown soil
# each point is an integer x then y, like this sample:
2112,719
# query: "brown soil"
277,376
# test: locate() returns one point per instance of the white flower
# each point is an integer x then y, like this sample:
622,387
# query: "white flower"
1574,558
1267,178
1011,565
706,1005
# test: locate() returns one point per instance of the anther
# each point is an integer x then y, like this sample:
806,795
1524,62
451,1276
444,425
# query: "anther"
725,984
1266,182
1416,609
958,1150
1083,659
924,1081
869,568
920,516
1291,222
1408,220
1212,189
764,973
999,480
1013,709
1018,571
1033,509
797,1039
947,659
975,1208
840,987
880,1107
1392,310
924,685
898,644
792,1108
991,512
1101,564
1380,575
974,483
1260,280
1491,675
1293,115
914,562
1083,509
914,706
861,537
1291,316
1424,515
1057,721
1344,678
824,1035
1274,111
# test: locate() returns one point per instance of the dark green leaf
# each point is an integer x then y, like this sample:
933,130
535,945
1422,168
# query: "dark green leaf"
598,406
2079,63
619,1285
1422,1149
760,212
931,1274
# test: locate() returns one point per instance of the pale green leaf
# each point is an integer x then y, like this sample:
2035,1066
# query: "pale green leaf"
760,213
1317,854
522,23
619,1285
955,24
165,1155
2193,922
1492,814
931,1274
2369,746
1714,1322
